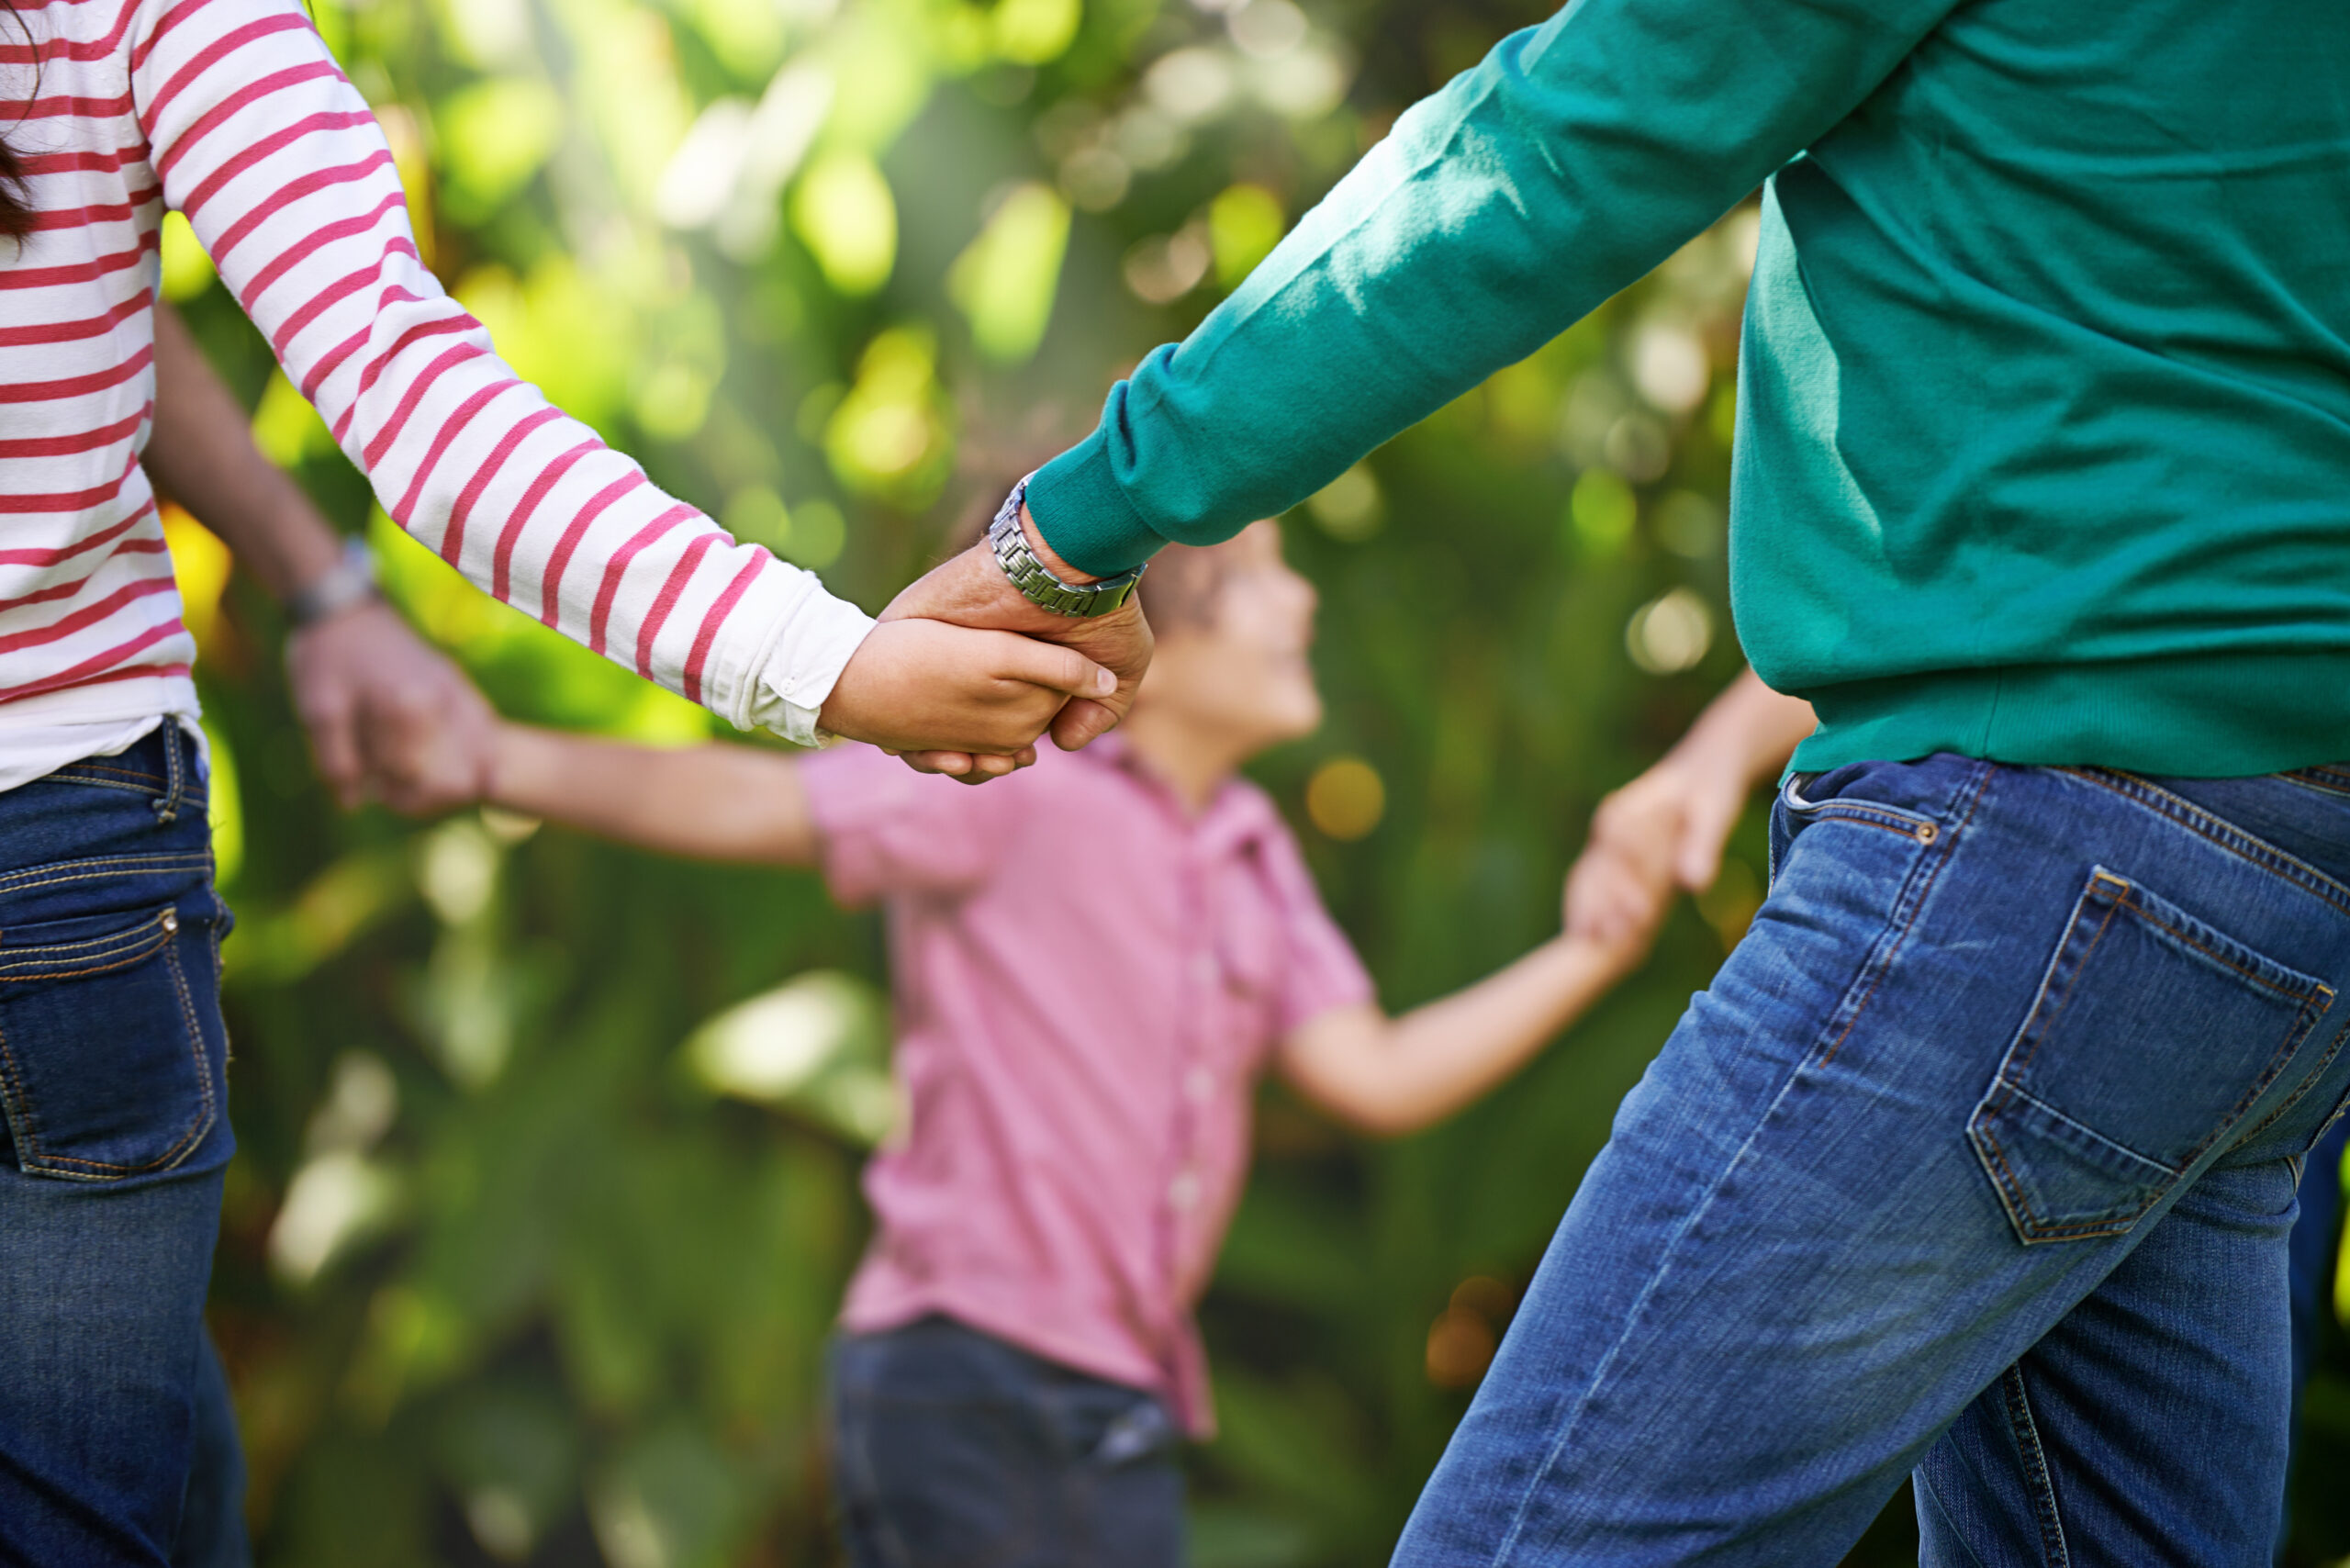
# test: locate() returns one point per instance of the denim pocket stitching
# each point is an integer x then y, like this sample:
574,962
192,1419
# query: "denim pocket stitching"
138,941
2218,831
2301,1091
64,871
1908,905
168,947
2006,1092
192,799
1872,813
108,778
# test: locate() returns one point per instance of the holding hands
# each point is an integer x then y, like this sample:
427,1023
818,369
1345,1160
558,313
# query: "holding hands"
970,589
389,719
1664,832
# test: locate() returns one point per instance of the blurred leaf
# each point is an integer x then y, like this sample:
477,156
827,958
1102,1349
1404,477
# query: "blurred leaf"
495,135
1244,222
1005,281
843,212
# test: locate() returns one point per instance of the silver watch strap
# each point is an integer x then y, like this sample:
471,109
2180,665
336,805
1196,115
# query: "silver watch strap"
1036,580
346,585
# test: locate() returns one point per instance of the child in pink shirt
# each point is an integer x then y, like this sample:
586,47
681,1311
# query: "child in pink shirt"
1018,1351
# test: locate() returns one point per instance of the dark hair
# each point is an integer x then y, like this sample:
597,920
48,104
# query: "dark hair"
16,205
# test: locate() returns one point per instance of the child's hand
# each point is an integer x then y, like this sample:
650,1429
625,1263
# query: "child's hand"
1662,832
924,685
970,589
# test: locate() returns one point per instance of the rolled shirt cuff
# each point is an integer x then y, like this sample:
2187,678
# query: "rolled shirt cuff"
1083,512
813,645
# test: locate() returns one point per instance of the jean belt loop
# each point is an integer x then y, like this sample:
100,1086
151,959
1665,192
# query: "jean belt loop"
174,772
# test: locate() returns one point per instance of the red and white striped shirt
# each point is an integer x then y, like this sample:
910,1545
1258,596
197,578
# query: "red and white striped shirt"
233,112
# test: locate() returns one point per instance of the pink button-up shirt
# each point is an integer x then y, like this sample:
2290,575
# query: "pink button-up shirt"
1089,981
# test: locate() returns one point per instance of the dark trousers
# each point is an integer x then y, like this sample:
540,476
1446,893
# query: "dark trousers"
952,1449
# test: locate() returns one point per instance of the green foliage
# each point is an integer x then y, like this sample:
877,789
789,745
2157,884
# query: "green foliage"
537,1229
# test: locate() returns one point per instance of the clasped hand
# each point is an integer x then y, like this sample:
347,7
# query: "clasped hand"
964,675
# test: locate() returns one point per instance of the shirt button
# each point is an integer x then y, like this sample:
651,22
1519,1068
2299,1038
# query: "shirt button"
1183,1192
1199,1083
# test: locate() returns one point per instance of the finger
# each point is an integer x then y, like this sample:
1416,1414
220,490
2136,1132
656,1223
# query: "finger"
1705,832
1053,666
954,764
987,767
334,744
1082,722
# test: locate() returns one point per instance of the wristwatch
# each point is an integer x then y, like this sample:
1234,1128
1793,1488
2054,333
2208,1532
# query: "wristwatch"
346,585
1036,580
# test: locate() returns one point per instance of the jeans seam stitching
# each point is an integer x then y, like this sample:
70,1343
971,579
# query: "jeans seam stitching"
27,1125
2298,1093
2218,832
2004,1081
136,935
110,866
1909,907
2042,1485
1566,1428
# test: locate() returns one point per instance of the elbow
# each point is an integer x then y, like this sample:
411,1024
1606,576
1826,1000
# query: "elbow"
1375,1115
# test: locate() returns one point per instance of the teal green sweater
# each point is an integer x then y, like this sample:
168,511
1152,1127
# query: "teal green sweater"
2043,438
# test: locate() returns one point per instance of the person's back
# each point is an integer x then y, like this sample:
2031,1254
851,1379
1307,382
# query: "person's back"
2046,418
2044,401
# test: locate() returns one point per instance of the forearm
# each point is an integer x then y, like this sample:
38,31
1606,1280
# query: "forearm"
1748,732
1395,1076
712,803
1574,159
279,164
201,454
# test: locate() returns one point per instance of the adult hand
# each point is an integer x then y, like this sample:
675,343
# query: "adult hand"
970,589
957,694
389,719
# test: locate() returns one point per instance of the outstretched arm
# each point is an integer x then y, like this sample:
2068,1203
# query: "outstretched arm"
388,716
727,803
1396,1075
1665,830
1575,157
1500,211
254,133
717,801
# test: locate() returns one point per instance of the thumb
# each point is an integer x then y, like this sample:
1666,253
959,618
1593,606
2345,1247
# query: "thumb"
1081,724
1704,831
1054,667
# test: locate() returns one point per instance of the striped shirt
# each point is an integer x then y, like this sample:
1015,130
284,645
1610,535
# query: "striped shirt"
233,112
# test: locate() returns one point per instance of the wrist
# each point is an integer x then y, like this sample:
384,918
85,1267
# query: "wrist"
1012,539
346,584
1045,553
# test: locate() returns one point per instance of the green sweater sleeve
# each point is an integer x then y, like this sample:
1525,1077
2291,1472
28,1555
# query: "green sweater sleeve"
1501,211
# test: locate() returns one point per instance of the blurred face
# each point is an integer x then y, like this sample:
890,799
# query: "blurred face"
1234,663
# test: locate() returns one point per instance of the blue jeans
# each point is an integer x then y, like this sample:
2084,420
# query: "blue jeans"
952,1449
1978,1161
112,1077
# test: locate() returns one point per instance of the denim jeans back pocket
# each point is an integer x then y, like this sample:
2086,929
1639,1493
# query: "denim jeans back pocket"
2152,1035
111,1052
